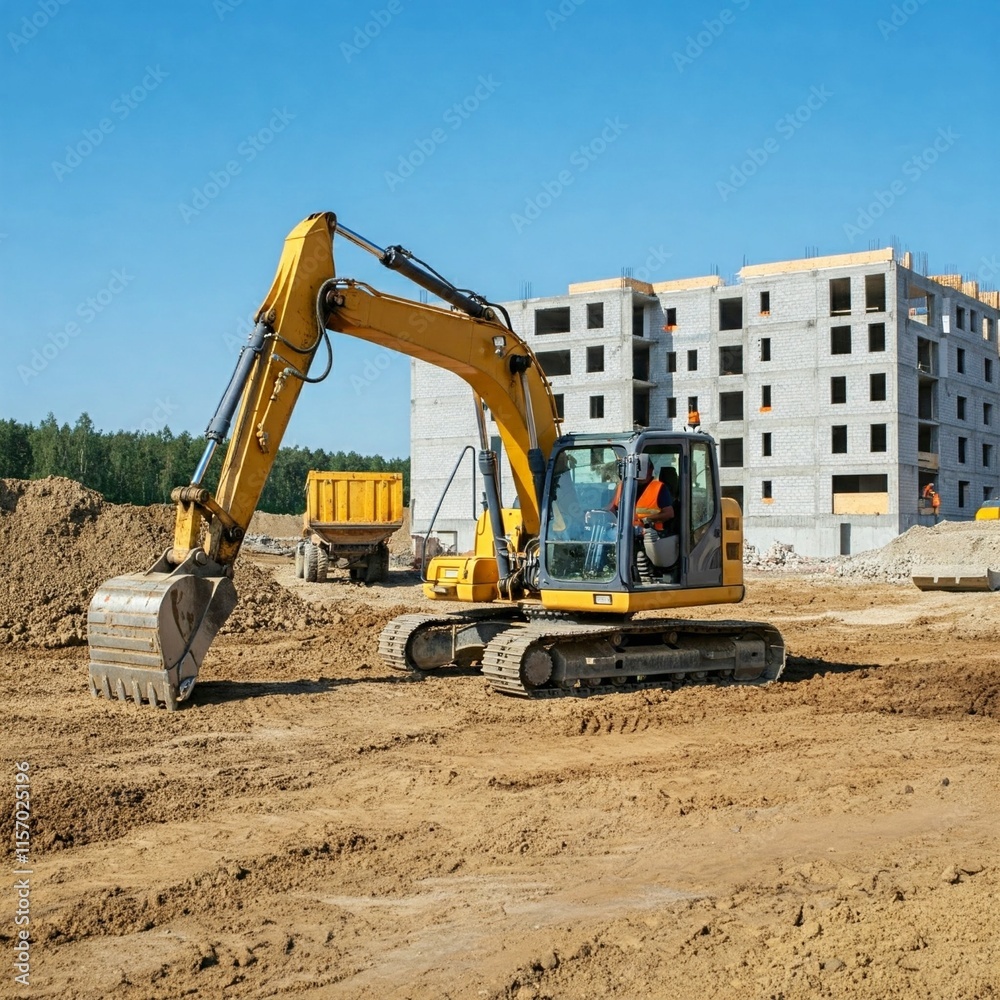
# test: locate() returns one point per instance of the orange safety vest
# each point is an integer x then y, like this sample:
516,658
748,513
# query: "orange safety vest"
649,500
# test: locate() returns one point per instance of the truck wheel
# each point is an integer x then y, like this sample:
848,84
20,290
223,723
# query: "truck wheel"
312,562
322,563
300,560
378,565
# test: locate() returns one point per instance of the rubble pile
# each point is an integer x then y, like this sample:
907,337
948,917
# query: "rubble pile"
974,545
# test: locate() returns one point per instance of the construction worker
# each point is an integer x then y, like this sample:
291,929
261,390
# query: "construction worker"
694,419
654,508
936,505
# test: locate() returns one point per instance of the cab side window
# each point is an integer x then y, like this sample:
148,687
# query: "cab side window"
701,483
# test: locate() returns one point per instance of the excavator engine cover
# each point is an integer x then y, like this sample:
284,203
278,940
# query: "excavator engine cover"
149,632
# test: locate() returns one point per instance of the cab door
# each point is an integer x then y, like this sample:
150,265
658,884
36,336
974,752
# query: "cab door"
704,522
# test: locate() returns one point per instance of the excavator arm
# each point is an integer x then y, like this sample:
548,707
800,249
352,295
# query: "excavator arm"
149,632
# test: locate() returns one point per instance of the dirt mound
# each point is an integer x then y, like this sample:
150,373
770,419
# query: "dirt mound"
400,544
265,604
276,525
59,541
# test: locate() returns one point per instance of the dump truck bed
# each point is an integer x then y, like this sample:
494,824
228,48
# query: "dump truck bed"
353,508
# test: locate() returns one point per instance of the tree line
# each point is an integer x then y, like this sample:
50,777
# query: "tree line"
140,467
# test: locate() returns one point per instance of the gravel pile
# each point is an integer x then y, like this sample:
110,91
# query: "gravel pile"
974,545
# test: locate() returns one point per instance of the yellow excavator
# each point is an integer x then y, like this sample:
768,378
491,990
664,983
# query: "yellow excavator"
558,580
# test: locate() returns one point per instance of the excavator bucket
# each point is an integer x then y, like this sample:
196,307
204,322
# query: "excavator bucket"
149,632
956,578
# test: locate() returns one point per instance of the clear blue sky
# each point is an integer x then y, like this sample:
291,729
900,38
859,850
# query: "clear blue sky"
639,117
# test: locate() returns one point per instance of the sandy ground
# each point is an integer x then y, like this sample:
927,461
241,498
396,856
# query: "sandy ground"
314,825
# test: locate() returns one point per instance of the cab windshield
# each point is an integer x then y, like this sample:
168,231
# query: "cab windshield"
582,529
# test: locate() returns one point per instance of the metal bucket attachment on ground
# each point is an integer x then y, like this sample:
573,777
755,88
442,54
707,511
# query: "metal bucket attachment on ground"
956,578
149,632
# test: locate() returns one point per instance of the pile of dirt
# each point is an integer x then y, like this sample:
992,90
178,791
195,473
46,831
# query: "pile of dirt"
265,604
276,525
401,543
59,541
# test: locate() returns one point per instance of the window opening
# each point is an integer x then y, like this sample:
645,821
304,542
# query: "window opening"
554,362
874,293
595,358
731,314
840,296
731,360
552,320
838,438
731,453
730,406
840,340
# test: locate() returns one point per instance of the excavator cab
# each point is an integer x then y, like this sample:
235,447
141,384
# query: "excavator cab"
605,545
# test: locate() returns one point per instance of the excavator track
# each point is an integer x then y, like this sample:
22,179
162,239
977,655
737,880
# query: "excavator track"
558,659
395,637
418,642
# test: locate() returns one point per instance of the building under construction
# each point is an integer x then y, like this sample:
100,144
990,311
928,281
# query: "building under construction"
837,388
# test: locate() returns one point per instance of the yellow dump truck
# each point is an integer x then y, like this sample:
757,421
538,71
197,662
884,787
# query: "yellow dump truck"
348,521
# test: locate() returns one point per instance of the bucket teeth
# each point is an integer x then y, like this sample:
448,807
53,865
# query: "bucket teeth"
149,632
